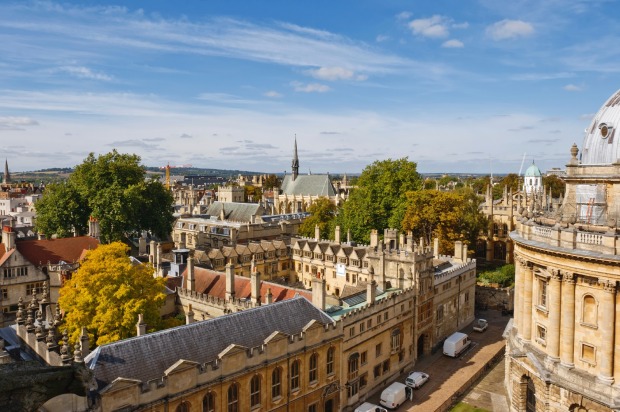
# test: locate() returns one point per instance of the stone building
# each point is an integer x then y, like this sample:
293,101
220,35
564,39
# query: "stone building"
563,348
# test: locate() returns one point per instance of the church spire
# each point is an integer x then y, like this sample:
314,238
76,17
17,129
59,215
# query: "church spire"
6,179
295,163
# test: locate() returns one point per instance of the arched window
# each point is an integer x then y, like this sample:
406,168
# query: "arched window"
276,383
295,375
183,407
208,402
255,391
495,229
530,396
505,229
233,398
589,313
313,370
353,365
330,360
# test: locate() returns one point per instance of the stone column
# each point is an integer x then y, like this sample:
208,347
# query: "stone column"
567,327
518,304
554,307
526,303
608,312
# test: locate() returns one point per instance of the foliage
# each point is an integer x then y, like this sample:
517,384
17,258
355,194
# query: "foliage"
504,276
556,184
252,193
271,182
112,189
479,185
379,200
322,213
449,216
511,180
430,184
106,294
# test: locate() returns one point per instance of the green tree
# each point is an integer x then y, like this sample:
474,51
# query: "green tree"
379,200
449,216
62,211
106,294
430,184
113,189
555,184
271,182
322,213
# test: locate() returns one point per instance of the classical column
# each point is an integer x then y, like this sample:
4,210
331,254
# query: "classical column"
567,329
518,304
526,303
608,312
554,307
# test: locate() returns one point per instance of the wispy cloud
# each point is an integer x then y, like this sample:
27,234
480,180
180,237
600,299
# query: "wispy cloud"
82,72
453,44
273,94
16,123
381,38
186,136
435,26
572,88
335,73
310,87
509,29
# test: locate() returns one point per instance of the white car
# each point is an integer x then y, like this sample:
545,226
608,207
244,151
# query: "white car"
416,379
480,325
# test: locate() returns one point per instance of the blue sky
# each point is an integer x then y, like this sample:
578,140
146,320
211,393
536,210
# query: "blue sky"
457,86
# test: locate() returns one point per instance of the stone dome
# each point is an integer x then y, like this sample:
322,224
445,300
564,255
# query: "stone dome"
600,145
533,171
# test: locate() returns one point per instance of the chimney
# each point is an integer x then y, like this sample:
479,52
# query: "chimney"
436,248
141,326
337,234
374,238
189,316
141,247
84,343
159,255
409,247
371,292
458,250
422,245
318,293
191,277
255,286
8,237
317,233
152,252
401,241
269,297
230,281
349,236
464,255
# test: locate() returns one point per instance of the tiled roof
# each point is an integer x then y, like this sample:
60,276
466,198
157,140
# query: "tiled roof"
313,185
213,283
54,250
238,212
146,357
5,255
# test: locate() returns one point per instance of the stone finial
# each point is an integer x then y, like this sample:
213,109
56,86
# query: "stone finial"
574,151
51,339
39,328
65,357
20,311
77,353
46,293
85,343
57,316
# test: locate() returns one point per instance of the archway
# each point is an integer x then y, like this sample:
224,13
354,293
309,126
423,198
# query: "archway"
420,348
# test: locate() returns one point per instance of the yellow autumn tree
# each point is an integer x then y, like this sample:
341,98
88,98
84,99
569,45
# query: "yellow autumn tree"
106,294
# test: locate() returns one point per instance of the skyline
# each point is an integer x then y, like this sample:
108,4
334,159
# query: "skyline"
466,87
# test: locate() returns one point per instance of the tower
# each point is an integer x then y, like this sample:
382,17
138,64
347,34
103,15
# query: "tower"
295,163
6,179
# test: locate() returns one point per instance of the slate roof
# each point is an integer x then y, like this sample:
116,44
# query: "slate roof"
54,250
146,357
313,185
238,212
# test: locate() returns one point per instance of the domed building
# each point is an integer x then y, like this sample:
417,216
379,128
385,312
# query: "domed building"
563,346
532,180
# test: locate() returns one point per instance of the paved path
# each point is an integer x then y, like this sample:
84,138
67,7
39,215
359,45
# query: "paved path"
448,375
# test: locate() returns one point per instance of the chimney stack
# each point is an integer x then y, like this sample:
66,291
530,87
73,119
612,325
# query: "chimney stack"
374,238
8,237
337,234
436,248
371,292
269,297
189,316
317,233
318,293
255,285
458,250
230,281
141,326
152,252
191,277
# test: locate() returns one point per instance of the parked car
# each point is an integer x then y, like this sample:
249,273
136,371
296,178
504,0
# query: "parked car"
416,379
456,344
480,325
369,407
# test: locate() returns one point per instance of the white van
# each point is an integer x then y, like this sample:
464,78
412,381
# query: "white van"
394,395
369,407
456,344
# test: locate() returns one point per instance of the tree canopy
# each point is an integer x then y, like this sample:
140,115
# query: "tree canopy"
555,184
450,216
379,200
106,294
112,189
322,213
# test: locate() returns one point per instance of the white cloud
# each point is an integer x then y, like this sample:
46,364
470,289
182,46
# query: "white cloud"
572,88
453,44
310,87
335,73
405,15
16,123
381,38
82,72
509,29
435,26
272,94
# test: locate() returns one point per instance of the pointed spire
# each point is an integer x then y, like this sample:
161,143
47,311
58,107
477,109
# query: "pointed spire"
295,163
6,179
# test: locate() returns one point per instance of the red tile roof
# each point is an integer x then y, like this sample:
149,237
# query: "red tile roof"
213,283
54,250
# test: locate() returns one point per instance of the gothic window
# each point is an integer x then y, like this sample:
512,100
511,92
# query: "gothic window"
183,407
295,375
396,340
589,310
353,365
208,402
330,360
313,370
276,383
255,391
233,398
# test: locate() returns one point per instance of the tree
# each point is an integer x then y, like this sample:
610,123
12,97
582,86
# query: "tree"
379,200
112,189
271,182
322,213
106,294
555,184
449,216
